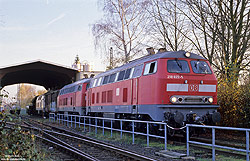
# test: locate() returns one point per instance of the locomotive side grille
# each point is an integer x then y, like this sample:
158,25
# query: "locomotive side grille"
193,100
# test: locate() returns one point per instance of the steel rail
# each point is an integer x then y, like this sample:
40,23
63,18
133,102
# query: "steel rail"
73,149
62,144
107,147
79,155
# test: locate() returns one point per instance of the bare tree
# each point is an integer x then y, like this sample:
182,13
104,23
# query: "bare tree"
122,27
221,33
170,28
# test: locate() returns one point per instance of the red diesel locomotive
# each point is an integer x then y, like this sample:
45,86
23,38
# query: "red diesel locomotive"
175,87
71,98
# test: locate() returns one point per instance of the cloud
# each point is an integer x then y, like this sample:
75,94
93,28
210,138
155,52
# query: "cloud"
56,19
47,2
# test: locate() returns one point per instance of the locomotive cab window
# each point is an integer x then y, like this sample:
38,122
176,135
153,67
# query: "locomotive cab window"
200,67
137,71
121,75
150,68
105,80
112,78
127,74
178,66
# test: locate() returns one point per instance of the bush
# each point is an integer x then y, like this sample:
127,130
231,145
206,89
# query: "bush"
15,143
234,101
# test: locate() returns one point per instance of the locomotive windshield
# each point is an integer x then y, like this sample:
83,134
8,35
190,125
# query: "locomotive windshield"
200,67
178,66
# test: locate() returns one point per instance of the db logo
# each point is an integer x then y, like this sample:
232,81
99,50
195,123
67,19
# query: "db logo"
193,87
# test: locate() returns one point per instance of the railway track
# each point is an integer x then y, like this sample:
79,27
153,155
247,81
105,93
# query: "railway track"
67,148
80,146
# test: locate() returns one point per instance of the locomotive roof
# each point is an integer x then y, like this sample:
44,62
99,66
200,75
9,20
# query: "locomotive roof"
76,83
169,54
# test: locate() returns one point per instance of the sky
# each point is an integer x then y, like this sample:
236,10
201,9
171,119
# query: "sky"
50,30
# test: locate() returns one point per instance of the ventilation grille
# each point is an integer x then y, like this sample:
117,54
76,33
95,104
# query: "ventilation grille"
193,100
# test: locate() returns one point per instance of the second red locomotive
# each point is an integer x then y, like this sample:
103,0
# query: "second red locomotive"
71,98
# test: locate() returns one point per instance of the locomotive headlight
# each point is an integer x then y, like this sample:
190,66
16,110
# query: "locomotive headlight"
210,100
173,99
187,54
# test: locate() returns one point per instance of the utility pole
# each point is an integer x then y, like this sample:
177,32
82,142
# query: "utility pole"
111,57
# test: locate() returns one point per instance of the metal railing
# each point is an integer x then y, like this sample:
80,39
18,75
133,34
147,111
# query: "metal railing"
75,120
87,122
52,116
213,145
